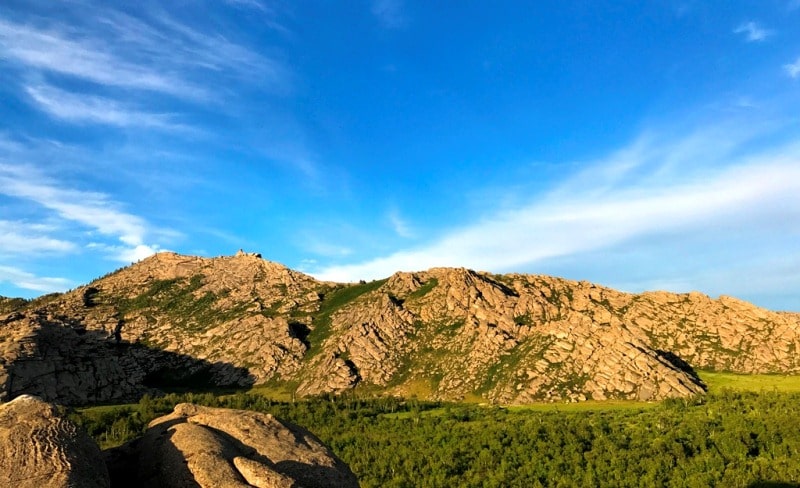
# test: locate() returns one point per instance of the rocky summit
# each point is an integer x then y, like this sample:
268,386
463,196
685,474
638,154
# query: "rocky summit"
445,333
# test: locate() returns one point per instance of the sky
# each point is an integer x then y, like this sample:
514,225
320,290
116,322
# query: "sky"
638,145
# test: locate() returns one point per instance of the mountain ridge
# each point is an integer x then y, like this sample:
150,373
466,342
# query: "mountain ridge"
444,333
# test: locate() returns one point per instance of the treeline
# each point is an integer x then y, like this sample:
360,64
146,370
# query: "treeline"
729,439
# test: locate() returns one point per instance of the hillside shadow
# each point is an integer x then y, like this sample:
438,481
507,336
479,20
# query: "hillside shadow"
63,362
678,363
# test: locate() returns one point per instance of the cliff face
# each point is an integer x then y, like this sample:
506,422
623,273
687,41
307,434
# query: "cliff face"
442,333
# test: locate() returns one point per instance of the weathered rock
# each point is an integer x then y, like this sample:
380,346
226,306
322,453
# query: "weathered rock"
216,447
41,449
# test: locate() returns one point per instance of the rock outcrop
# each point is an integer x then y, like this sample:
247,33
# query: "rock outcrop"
41,449
443,333
194,446
215,447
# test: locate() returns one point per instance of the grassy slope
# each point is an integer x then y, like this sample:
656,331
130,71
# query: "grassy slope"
333,300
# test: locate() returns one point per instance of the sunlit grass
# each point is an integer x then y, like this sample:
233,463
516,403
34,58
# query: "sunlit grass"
718,381
101,409
275,391
590,405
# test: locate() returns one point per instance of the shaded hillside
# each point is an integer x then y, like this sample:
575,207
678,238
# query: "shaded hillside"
443,333
59,358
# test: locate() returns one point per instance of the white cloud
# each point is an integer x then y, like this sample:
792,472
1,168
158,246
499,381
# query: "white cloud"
793,69
141,251
91,209
753,32
653,187
389,13
29,281
23,238
92,109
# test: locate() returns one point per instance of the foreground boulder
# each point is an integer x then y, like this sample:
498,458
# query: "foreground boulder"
41,449
215,447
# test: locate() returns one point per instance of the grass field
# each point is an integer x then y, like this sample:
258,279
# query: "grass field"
589,405
718,381
279,392
102,409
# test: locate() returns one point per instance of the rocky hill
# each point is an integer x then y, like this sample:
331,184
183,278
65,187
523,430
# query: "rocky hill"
174,320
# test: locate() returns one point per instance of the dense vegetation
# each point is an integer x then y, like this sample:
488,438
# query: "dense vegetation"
729,438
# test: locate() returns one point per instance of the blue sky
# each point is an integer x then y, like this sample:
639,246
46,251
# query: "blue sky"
640,145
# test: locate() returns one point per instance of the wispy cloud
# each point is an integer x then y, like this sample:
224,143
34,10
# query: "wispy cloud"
29,281
24,238
647,189
92,63
267,12
753,32
252,4
93,210
321,247
118,50
389,13
399,225
92,60
793,69
92,109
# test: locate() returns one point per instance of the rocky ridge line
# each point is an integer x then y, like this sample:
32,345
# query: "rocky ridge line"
444,333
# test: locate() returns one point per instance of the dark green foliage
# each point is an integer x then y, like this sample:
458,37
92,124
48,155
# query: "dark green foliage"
423,290
728,439
524,319
8,305
42,300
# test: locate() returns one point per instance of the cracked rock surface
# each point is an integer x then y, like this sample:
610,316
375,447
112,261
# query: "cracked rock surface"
41,449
